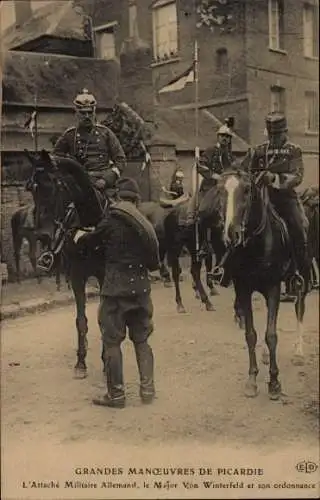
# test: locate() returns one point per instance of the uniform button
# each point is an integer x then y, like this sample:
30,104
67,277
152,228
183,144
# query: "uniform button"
132,280
100,156
78,135
98,140
140,265
133,292
144,289
130,266
97,133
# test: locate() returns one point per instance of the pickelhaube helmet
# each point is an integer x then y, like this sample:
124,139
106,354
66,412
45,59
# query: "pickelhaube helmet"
224,130
85,101
276,122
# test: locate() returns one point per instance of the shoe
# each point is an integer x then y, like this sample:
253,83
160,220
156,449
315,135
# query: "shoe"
106,400
147,397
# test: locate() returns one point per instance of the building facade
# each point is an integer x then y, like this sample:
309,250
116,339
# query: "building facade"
264,58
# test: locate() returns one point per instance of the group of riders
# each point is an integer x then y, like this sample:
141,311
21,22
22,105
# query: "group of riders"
277,161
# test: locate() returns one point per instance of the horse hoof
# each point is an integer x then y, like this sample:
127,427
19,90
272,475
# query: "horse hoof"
181,309
251,390
210,307
274,391
297,360
214,292
239,321
80,373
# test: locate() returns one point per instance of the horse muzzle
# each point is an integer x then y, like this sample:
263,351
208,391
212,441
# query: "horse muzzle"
45,261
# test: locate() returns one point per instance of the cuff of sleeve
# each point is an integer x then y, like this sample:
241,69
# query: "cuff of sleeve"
116,171
276,183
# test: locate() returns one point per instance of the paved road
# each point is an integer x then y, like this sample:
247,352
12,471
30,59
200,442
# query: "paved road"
200,418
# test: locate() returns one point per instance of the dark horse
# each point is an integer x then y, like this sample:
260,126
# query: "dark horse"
259,260
65,187
179,236
34,237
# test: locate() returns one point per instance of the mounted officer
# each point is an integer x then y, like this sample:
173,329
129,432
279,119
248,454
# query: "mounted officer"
213,162
94,145
283,165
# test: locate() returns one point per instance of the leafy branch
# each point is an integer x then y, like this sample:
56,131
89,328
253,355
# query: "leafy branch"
215,14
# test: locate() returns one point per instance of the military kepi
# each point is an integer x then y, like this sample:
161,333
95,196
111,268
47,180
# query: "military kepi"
276,122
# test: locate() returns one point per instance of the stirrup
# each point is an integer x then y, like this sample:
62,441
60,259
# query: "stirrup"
45,261
218,274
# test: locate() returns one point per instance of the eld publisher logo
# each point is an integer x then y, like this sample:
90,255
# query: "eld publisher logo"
306,467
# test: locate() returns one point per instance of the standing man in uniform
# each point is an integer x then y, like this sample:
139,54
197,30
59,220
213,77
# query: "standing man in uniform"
283,165
126,293
92,144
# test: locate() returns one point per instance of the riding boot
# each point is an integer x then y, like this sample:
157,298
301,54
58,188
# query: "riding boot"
144,356
115,397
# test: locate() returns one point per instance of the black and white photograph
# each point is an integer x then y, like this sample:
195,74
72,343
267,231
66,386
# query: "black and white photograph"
159,249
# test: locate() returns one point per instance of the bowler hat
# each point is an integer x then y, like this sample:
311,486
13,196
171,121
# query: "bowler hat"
276,122
128,189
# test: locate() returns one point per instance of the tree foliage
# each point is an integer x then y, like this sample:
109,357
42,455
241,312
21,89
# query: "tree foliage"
216,14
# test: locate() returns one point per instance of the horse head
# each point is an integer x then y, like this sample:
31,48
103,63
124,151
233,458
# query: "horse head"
229,203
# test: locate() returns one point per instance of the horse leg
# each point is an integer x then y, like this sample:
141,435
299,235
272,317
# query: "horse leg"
238,313
33,258
300,307
245,298
164,271
78,284
196,275
17,243
271,338
209,276
175,269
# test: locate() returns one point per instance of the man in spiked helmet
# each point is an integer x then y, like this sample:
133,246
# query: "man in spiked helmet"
283,165
94,145
213,162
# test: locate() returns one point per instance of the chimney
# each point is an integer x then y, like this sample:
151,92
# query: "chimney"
23,11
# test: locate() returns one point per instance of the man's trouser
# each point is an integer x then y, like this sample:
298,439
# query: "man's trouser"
114,316
291,210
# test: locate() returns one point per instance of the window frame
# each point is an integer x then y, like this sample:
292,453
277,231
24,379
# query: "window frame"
279,46
101,30
314,105
313,7
281,92
173,52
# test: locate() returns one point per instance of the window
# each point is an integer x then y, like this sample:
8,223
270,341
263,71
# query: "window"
133,23
105,41
312,111
165,30
276,25
310,30
222,62
277,99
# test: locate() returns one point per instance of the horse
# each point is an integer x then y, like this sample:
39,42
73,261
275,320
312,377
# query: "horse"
259,258
20,231
179,236
64,186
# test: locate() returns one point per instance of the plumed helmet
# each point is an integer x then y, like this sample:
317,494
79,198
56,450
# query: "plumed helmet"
128,189
224,130
85,101
276,122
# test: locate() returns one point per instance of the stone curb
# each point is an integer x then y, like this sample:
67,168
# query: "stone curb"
13,311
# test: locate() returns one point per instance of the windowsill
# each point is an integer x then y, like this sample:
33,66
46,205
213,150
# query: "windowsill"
312,133
165,61
278,51
312,58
